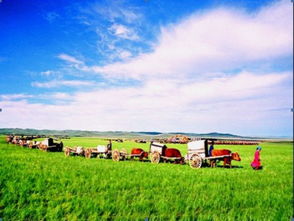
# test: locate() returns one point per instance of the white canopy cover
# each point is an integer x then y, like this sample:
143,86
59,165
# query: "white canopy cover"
197,146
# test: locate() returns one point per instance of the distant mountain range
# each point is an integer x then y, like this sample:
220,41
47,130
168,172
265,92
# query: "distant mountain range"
116,134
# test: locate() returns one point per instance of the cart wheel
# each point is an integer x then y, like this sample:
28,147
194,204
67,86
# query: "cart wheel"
67,151
88,153
115,155
42,146
39,146
155,157
195,161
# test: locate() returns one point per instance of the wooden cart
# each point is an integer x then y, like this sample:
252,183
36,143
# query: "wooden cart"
76,151
9,138
101,151
198,153
122,154
118,155
157,151
49,145
34,144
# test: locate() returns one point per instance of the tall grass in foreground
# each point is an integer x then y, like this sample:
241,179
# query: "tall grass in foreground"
36,185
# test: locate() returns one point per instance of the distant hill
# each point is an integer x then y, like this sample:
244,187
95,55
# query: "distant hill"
148,133
114,134
208,135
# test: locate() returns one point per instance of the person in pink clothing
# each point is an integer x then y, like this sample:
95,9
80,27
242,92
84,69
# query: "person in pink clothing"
256,165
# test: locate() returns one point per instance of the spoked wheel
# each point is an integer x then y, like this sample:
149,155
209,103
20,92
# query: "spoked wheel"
155,157
88,153
43,147
67,151
195,161
115,155
39,146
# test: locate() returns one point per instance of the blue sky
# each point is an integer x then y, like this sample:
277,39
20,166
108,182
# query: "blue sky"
188,66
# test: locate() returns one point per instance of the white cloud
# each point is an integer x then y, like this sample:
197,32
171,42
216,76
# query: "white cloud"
115,11
131,16
118,27
69,59
125,54
123,31
219,104
61,96
14,96
59,83
48,72
218,40
58,97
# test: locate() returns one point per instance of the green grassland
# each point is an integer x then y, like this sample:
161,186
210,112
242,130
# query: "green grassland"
36,185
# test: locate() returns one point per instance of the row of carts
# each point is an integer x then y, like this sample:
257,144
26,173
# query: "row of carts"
48,144
197,153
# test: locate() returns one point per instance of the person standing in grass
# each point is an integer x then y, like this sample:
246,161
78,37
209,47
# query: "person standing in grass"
109,145
256,165
210,150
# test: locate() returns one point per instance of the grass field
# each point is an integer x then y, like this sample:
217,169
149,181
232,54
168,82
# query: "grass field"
36,185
